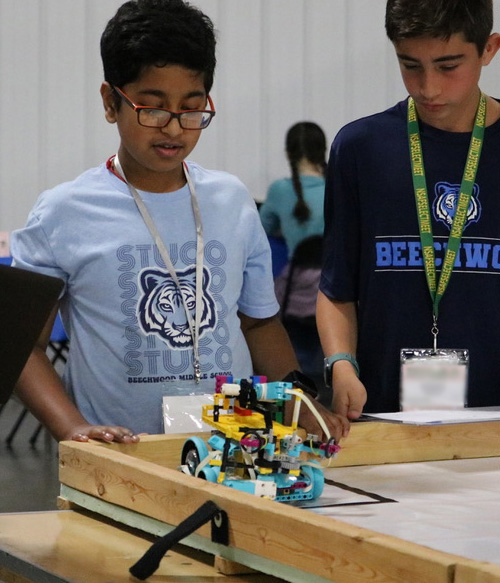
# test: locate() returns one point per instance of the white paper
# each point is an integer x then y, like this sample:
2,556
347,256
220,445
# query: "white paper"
450,506
440,416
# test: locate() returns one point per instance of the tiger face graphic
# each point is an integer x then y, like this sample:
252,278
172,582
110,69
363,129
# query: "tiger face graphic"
446,200
160,310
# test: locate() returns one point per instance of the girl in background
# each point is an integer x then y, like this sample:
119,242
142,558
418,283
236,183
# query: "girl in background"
294,206
294,210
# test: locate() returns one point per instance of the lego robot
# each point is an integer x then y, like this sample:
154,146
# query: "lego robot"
251,450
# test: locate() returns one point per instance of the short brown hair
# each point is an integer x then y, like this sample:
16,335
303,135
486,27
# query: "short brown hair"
440,19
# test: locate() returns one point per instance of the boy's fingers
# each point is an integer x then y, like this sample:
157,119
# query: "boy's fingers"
104,433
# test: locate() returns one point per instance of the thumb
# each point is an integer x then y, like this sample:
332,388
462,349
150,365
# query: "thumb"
353,413
355,407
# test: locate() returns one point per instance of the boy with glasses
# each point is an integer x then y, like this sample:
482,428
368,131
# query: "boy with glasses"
412,205
167,268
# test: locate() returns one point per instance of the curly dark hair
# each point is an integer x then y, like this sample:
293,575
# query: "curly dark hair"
143,33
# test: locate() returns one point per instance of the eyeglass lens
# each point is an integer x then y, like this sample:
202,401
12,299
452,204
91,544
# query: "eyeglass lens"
188,120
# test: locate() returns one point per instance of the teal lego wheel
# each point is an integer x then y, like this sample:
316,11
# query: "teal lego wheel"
208,474
315,474
194,451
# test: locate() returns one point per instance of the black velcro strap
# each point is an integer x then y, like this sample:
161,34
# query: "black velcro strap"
220,527
150,561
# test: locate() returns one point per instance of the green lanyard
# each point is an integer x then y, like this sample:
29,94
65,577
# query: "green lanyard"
437,289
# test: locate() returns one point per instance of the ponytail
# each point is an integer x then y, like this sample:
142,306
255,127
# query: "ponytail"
304,140
301,211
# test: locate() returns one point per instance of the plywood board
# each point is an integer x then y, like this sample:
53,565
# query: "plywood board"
56,547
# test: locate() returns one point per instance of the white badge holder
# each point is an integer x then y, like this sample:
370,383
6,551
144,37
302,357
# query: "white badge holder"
182,413
433,379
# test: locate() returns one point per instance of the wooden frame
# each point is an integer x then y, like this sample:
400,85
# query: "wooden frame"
140,485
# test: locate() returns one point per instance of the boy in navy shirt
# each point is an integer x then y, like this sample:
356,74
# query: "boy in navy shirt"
374,295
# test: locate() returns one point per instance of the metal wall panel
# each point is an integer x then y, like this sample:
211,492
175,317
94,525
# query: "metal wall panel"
279,61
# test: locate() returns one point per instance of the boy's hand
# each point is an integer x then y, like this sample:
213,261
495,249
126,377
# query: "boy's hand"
349,397
338,425
103,433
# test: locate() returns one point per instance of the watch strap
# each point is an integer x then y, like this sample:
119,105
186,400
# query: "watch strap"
343,356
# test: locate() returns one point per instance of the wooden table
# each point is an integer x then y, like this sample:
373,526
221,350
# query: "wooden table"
77,547
141,486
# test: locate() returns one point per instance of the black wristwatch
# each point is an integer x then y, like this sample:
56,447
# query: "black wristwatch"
331,360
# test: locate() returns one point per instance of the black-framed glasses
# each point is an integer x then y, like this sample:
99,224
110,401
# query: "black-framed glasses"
157,117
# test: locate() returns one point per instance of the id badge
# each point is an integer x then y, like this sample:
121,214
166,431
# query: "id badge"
433,379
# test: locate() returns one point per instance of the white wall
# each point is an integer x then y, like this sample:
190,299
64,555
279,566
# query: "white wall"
279,61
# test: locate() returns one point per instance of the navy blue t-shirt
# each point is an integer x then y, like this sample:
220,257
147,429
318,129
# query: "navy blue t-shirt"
373,251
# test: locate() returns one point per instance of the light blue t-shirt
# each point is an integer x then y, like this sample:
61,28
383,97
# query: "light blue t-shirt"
276,212
129,344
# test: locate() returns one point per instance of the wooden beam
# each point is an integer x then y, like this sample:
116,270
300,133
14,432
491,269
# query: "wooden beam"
368,443
476,572
373,443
